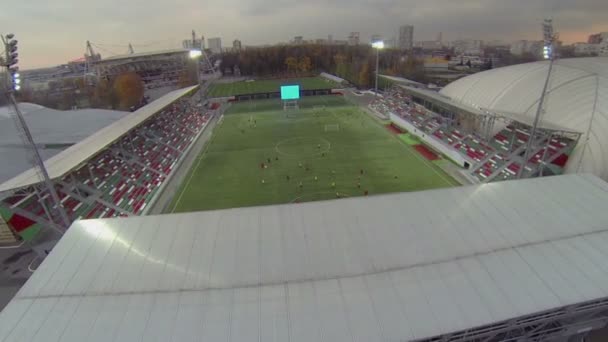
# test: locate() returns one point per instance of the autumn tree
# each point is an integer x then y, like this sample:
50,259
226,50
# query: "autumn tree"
129,89
292,64
364,75
304,65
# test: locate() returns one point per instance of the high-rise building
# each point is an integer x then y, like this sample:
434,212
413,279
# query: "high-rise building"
353,38
215,45
375,38
236,45
406,37
298,40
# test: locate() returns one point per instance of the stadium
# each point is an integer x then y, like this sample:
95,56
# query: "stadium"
284,210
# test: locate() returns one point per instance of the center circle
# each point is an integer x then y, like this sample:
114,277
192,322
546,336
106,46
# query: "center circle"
302,146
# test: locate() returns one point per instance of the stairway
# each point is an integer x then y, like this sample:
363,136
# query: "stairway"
6,235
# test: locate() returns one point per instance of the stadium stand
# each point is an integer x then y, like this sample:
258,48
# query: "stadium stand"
497,158
119,179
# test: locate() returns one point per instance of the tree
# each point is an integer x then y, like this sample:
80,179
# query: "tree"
364,76
305,64
129,89
340,61
292,64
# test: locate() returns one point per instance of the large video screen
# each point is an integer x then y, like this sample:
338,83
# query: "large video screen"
290,92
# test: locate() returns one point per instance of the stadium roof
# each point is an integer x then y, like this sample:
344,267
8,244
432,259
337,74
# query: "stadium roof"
143,54
390,267
438,97
68,159
52,129
401,80
577,100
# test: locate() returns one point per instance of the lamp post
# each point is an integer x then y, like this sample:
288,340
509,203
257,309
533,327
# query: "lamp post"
196,54
13,85
378,45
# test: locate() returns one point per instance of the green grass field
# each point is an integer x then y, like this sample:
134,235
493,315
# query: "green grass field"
324,149
264,86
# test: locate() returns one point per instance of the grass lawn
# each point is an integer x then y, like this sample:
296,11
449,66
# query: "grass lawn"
265,86
324,149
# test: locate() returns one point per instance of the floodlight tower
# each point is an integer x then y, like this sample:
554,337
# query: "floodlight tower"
378,45
549,38
13,84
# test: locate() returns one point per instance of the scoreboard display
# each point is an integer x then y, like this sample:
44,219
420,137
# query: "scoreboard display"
290,92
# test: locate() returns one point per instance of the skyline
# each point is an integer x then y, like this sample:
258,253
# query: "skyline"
56,35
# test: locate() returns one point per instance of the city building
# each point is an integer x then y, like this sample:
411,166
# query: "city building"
428,45
298,40
353,38
597,38
390,43
236,45
198,44
468,47
406,37
527,46
586,49
215,45
375,38
603,48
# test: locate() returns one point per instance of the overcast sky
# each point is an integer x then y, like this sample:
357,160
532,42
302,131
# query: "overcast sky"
52,32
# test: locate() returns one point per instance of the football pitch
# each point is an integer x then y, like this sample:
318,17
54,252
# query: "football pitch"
266,86
260,154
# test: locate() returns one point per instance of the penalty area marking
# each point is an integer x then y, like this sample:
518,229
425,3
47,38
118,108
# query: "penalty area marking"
277,148
342,195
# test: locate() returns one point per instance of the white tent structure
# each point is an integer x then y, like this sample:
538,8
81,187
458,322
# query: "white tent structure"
577,99
48,127
485,262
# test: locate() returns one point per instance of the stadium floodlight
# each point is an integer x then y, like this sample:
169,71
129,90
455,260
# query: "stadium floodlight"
195,53
17,87
16,75
378,44
17,81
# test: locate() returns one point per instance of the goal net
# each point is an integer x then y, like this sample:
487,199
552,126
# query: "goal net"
332,128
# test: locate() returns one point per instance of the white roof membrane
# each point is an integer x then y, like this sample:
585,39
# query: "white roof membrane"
390,267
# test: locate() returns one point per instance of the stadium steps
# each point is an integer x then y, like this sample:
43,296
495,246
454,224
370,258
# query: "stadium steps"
6,235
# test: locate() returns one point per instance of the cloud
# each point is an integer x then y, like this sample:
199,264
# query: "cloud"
53,32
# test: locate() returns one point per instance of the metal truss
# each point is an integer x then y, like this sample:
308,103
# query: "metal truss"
552,325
